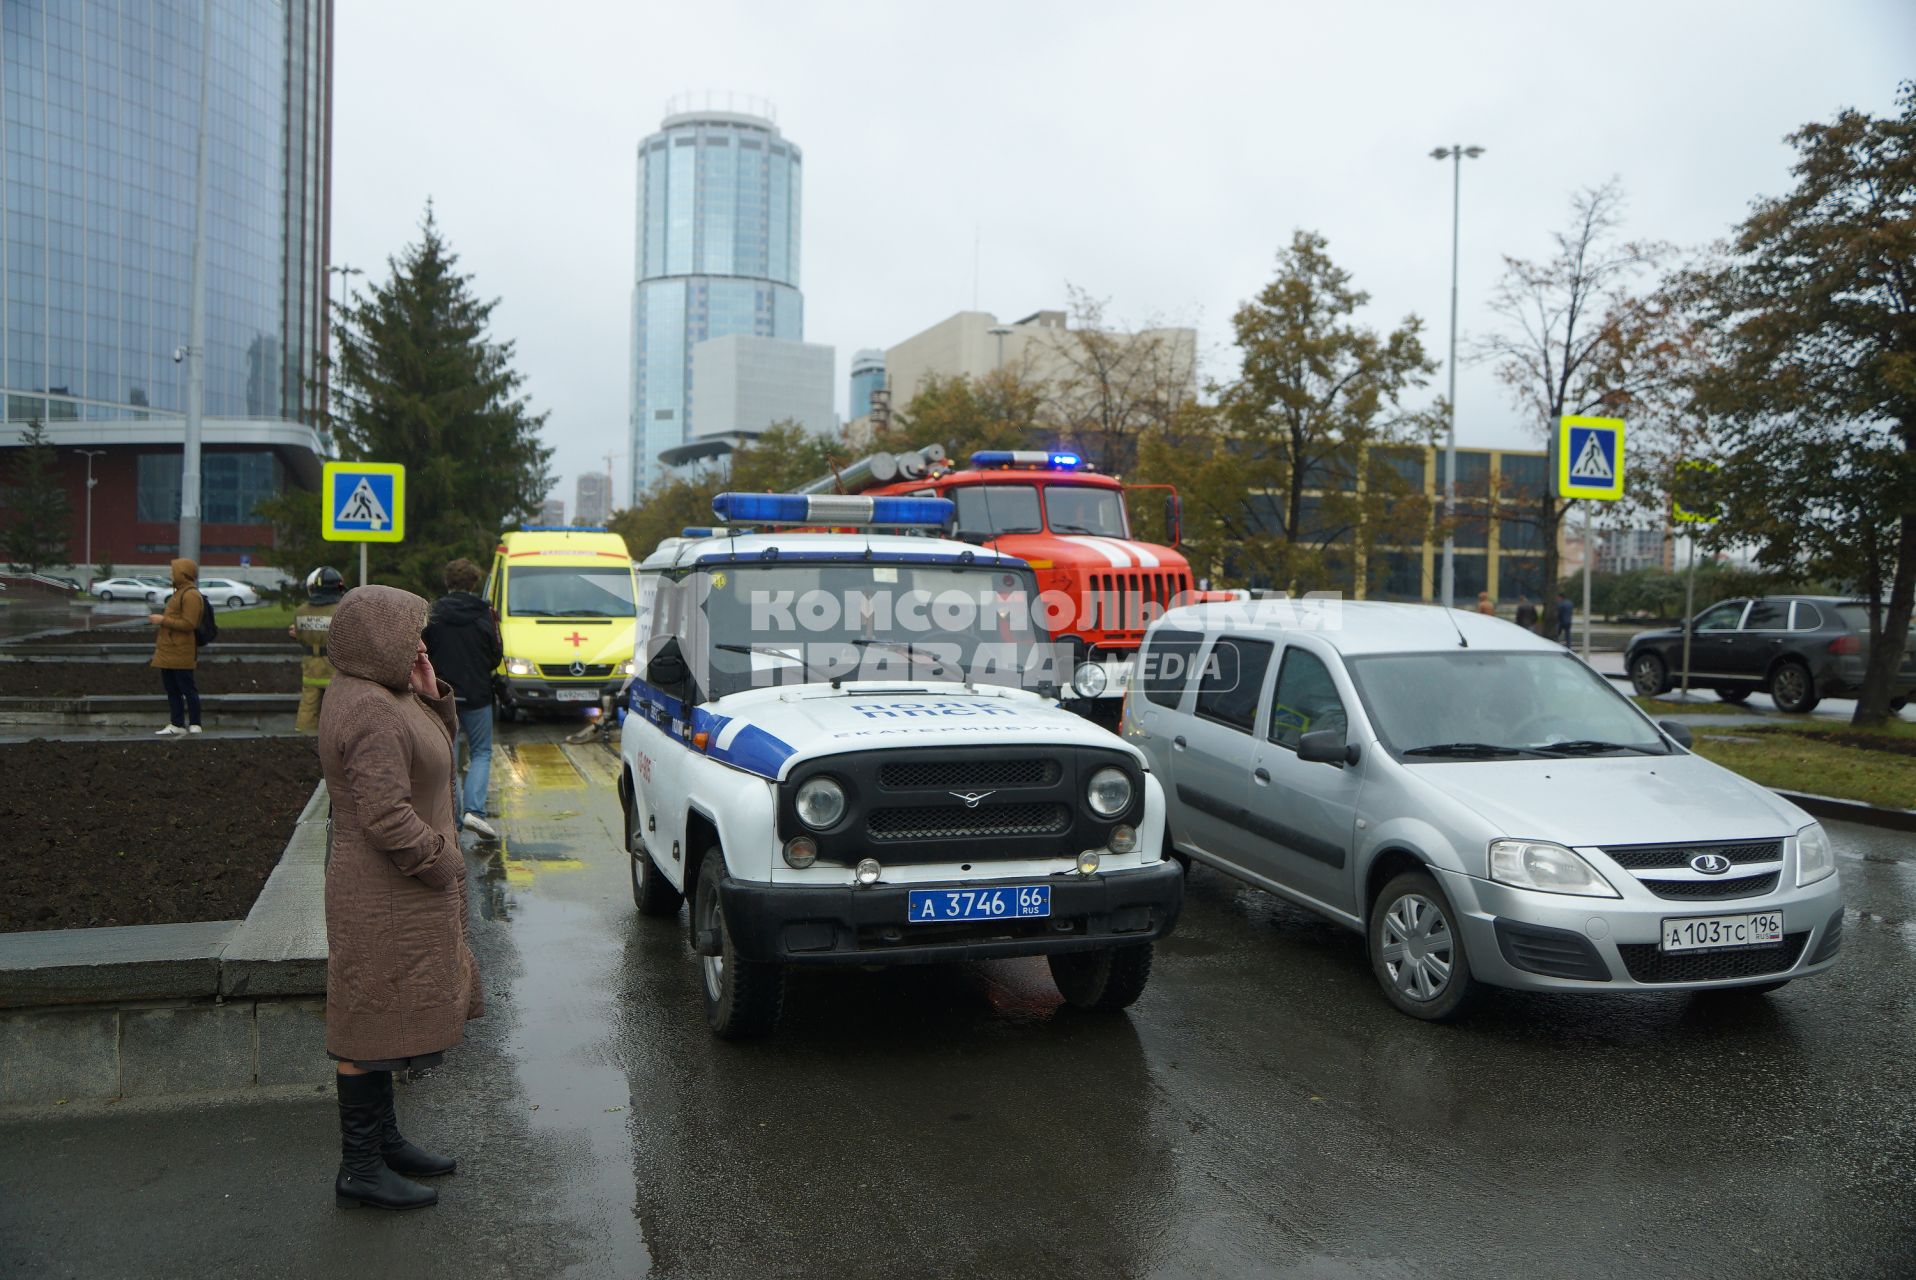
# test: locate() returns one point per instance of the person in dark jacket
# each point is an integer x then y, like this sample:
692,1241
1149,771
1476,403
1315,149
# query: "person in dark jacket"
1526,613
463,639
1566,618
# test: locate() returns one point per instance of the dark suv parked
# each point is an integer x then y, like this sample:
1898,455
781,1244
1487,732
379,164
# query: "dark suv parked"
1798,649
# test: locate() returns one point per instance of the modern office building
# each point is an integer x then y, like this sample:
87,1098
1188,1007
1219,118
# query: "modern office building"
592,498
717,254
747,384
552,513
1040,347
100,102
868,375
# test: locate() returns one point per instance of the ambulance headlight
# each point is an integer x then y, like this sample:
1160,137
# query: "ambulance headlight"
820,803
1088,680
518,667
630,667
1109,793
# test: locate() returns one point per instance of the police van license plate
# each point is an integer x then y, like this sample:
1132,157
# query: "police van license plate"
577,695
1723,933
936,906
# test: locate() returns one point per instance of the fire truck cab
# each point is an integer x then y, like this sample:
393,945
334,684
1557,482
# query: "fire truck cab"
1100,586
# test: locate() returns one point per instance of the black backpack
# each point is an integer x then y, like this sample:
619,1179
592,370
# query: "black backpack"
209,629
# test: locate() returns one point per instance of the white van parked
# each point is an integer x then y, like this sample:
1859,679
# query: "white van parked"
1477,801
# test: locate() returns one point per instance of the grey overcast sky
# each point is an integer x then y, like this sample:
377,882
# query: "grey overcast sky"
1157,154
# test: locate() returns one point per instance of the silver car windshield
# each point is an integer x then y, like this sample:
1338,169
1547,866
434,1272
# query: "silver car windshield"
1476,704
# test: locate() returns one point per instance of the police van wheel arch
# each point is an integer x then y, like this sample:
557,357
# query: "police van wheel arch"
742,997
652,893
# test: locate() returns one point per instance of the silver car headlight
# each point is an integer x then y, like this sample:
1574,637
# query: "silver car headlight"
518,667
1546,868
1109,793
820,803
1815,859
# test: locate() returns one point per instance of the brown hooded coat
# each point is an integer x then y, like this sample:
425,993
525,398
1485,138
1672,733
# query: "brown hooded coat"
400,978
174,648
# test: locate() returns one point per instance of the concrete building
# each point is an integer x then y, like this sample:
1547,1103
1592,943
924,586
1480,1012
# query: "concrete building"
100,108
747,384
592,498
552,513
1041,347
868,375
717,254
1624,550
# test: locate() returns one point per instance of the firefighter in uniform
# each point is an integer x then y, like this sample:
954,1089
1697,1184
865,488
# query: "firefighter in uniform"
311,622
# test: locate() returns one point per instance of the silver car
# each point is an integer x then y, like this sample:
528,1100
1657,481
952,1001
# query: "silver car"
149,590
1476,801
229,593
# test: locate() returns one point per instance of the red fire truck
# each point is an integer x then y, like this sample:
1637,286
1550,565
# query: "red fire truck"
1101,586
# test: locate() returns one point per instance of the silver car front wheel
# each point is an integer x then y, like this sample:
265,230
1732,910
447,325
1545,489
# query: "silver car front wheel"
1416,951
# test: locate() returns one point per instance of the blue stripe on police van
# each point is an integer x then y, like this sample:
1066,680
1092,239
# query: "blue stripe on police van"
730,741
755,751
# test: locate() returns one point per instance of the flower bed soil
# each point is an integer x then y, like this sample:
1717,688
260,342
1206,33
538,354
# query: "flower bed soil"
163,832
53,678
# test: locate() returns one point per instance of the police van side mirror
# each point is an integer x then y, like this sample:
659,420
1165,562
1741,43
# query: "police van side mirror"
666,670
1327,746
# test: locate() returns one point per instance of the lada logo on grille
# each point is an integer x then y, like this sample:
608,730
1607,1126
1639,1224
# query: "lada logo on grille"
971,798
1710,864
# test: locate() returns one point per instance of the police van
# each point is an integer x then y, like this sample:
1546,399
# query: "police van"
845,748
564,598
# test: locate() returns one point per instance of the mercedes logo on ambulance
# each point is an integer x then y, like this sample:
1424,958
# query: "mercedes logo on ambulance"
1710,864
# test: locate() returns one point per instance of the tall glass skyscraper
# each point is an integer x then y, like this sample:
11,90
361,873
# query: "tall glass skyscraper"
868,375
100,102
718,236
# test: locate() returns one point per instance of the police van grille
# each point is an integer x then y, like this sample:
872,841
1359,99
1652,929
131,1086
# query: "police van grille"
1643,857
946,822
968,775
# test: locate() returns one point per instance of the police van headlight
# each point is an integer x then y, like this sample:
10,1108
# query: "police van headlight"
1088,680
1109,793
518,667
820,803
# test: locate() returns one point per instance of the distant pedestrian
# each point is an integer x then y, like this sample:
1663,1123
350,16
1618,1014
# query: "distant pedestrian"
1485,605
463,639
1526,613
1566,618
176,651
401,981
311,622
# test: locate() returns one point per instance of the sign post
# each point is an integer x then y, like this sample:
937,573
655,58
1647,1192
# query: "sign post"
1589,467
1706,513
363,502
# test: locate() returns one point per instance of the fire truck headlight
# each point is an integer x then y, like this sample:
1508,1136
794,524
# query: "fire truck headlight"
1088,680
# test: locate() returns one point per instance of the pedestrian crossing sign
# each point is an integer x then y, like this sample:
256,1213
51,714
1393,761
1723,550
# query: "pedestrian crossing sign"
363,502
1590,458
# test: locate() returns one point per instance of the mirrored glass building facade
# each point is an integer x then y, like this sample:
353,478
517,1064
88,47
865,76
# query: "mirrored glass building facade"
100,101
717,254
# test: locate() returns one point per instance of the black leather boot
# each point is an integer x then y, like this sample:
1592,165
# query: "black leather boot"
401,1155
363,1175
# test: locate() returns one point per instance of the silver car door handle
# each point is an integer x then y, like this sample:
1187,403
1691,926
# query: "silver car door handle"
1263,776
1178,743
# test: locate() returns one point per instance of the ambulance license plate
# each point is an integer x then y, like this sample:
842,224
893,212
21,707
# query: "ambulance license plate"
577,695
936,906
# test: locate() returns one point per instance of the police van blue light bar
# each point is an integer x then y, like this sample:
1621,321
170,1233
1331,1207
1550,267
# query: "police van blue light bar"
830,509
699,531
1061,461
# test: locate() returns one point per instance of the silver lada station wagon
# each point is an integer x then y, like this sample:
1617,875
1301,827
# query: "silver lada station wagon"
1476,801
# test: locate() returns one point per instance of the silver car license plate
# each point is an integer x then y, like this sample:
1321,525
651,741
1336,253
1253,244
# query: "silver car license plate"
1723,933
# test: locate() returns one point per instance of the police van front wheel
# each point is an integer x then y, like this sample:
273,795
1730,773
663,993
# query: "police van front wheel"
652,893
1104,980
742,997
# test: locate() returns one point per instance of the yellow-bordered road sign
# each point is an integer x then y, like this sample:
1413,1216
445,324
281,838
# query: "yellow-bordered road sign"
1694,473
1590,458
363,502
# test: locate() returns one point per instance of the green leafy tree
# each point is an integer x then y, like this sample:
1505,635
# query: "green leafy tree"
420,381
39,519
1286,480
997,411
785,456
1811,389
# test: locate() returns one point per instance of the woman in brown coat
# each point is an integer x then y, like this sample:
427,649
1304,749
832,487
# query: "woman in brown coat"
400,978
176,652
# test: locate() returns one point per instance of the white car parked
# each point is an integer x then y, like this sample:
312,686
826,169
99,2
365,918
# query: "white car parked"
228,593
1476,801
819,754
147,590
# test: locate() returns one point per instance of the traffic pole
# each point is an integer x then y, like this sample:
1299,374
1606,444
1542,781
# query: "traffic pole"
1689,612
362,564
1589,554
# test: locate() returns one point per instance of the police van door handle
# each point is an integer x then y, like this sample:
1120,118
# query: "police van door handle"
1178,743
1262,775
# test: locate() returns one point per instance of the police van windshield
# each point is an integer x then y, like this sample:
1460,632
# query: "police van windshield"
766,625
1472,704
1074,508
552,591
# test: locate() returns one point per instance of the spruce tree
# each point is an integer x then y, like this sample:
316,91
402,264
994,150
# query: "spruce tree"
39,519
418,379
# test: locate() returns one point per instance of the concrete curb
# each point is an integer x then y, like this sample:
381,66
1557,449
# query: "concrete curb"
163,1009
1874,815
137,709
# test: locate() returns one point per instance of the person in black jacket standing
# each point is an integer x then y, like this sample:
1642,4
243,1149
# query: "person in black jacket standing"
462,639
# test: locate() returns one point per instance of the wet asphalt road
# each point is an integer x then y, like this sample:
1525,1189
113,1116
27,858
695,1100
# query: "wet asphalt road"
1260,1112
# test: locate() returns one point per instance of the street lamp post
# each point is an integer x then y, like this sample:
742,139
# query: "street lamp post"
1455,154
90,455
344,273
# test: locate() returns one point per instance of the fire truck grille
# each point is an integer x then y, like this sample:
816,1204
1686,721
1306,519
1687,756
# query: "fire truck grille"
1131,601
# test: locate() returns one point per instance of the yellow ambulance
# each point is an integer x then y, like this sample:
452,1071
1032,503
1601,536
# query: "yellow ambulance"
564,600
